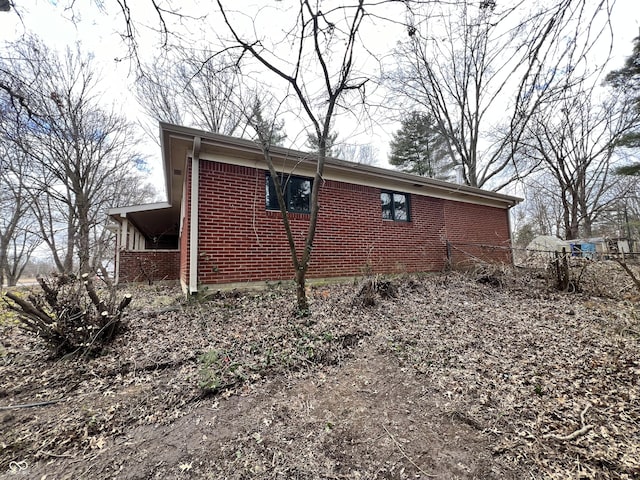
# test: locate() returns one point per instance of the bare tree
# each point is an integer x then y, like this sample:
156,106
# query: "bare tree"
129,190
195,88
575,140
622,217
482,69
159,93
542,206
314,61
366,154
79,152
324,42
17,241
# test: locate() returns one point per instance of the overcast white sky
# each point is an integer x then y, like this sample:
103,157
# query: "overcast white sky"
97,31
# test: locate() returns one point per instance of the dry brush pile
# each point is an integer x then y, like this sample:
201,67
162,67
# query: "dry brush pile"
68,313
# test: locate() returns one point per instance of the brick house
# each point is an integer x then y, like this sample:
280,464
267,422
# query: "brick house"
221,223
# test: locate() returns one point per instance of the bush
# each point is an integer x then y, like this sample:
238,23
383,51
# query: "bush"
372,287
69,315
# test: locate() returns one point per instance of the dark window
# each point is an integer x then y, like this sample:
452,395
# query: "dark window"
395,206
296,191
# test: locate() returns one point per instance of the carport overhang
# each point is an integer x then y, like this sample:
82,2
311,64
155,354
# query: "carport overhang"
161,219
153,221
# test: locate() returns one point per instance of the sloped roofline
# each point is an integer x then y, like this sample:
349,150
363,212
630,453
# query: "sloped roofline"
240,147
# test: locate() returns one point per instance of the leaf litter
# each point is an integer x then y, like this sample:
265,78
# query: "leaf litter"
485,374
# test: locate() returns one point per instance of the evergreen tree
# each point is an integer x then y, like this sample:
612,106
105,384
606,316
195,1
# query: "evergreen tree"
313,144
420,148
269,131
627,79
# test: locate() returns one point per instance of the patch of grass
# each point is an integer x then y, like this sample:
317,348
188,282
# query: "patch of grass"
7,316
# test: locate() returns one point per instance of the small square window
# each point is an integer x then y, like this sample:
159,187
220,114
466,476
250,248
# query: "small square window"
395,206
296,192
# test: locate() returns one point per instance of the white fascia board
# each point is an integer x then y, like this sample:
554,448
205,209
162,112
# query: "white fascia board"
122,211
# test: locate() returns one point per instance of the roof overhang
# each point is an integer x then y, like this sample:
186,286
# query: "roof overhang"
178,143
152,220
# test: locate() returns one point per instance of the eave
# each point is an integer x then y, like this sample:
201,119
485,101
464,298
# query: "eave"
178,140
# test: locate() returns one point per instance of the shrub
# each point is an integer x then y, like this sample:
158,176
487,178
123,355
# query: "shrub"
372,287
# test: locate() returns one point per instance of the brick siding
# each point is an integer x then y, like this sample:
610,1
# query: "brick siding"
148,266
239,240
477,232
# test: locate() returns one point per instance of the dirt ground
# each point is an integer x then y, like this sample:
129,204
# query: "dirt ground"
484,375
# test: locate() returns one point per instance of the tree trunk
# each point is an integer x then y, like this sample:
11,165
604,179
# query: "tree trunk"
84,232
3,264
301,293
67,265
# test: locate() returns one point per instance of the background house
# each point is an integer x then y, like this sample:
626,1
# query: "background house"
592,248
221,223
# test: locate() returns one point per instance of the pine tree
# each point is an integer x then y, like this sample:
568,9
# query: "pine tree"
314,145
271,131
418,147
627,79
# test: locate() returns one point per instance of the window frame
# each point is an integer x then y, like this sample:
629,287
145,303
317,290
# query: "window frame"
286,192
407,199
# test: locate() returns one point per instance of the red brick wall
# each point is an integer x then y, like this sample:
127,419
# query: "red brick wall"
151,265
241,241
475,231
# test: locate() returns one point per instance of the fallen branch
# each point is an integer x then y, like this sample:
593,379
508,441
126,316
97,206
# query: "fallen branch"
155,313
55,455
31,405
578,433
571,436
629,272
29,309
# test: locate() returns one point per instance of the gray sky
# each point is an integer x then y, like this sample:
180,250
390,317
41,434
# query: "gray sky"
98,32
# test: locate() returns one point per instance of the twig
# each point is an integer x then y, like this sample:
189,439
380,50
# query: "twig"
404,454
571,436
631,330
583,413
56,455
578,433
30,405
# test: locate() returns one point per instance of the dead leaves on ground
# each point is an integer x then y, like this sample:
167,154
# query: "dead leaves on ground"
552,380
